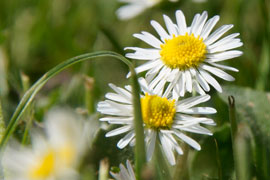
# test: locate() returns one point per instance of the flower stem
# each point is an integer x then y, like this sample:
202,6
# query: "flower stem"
139,130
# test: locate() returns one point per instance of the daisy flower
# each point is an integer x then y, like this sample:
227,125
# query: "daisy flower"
135,7
125,173
164,119
186,57
53,155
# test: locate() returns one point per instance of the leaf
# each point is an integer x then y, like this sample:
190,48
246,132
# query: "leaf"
253,108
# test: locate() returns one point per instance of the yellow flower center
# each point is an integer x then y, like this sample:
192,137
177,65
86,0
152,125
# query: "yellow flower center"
66,154
183,52
157,112
45,167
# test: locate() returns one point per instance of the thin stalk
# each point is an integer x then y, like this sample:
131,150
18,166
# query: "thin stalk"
218,161
103,169
89,94
28,115
2,123
232,115
139,130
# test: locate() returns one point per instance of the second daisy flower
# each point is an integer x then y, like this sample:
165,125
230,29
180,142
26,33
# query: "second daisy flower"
185,57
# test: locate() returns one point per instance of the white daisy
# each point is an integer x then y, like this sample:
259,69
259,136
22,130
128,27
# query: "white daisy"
165,119
53,156
125,173
135,7
185,57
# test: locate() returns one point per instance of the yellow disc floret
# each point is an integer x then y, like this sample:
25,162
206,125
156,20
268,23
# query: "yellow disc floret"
45,167
183,52
157,112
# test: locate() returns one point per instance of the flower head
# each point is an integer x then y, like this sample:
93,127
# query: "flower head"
165,119
185,57
52,156
135,7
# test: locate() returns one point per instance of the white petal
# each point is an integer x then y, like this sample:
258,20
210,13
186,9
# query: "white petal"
230,45
210,80
202,82
223,56
209,26
224,40
201,23
194,22
153,72
181,22
151,145
192,101
182,83
125,107
117,97
126,140
113,118
218,72
217,34
197,130
174,143
170,25
163,72
188,81
183,119
159,29
120,130
199,110
146,66
144,54
188,140
224,67
167,148
172,85
198,88
159,87
130,170
123,173
149,39
129,11
121,91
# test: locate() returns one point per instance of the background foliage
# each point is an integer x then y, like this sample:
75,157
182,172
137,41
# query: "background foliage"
37,35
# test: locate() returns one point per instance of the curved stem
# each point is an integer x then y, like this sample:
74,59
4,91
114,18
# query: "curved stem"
30,94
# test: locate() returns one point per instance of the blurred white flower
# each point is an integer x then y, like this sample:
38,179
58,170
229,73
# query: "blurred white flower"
125,173
185,57
165,119
53,155
135,7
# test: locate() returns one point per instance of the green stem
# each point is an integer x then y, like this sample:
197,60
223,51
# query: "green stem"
218,161
232,117
2,123
139,130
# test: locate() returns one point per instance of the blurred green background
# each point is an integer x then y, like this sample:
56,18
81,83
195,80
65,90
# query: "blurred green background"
36,35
